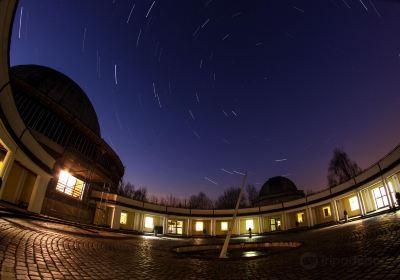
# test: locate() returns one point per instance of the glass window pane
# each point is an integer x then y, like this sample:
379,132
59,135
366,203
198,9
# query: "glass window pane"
385,201
354,203
379,202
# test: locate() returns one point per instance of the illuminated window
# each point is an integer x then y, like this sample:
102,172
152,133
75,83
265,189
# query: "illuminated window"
175,227
327,211
224,226
381,199
199,226
148,222
124,218
300,217
70,185
249,224
354,203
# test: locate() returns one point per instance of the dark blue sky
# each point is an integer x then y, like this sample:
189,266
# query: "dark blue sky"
271,87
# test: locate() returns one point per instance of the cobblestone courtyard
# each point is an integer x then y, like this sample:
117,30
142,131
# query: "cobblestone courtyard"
31,249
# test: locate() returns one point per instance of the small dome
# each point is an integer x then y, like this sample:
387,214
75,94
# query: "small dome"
277,185
60,89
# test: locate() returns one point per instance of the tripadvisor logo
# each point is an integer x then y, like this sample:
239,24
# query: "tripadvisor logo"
309,260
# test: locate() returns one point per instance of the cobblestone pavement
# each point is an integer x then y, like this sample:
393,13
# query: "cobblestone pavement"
30,249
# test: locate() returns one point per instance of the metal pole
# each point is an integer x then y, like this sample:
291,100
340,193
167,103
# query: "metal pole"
228,236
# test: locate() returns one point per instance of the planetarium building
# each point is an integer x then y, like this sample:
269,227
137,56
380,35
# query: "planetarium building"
52,155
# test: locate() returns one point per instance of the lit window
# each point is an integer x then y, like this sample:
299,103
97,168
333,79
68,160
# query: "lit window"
327,211
354,203
70,185
300,217
224,226
124,218
148,222
249,224
381,199
199,226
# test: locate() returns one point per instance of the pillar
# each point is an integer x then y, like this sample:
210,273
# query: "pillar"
7,164
284,221
334,211
310,220
165,225
361,202
141,228
260,225
116,218
390,198
38,194
189,227
212,227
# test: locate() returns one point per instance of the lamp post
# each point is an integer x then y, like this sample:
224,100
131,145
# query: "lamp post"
232,225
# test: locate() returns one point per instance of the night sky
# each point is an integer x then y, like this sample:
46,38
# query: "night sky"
187,92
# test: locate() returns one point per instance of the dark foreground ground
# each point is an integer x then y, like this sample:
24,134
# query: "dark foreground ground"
32,249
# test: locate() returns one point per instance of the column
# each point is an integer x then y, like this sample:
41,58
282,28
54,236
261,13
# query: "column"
339,209
260,225
238,225
7,164
310,221
334,211
189,227
284,221
165,225
390,198
116,218
361,202
212,227
38,194
141,222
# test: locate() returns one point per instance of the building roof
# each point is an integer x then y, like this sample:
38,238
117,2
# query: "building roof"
61,89
276,185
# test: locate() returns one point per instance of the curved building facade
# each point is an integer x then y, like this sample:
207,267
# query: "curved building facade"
52,155
370,193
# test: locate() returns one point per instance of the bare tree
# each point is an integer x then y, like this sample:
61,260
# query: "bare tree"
129,190
200,201
140,194
341,168
252,195
229,198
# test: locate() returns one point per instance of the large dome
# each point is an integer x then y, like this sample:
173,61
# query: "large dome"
60,89
276,185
